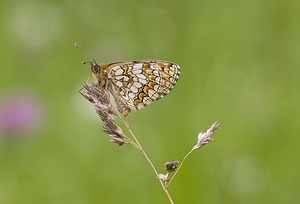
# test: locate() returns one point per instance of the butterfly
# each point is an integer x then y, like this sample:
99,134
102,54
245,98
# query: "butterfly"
136,84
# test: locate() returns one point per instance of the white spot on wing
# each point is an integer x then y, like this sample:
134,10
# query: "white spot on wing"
119,84
131,95
125,78
138,71
143,81
137,84
141,76
137,66
133,89
118,70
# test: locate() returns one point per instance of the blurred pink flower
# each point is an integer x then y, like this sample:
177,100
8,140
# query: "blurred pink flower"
20,115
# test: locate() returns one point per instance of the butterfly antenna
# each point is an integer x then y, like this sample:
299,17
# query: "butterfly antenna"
76,45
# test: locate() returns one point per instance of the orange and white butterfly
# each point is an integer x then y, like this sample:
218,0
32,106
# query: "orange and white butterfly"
136,84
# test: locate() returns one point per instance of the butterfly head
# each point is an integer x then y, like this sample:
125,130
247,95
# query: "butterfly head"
95,70
98,72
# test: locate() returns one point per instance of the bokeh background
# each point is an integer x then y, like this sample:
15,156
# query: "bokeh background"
239,65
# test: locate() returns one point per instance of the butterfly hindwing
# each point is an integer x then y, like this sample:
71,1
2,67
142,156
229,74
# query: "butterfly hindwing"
139,83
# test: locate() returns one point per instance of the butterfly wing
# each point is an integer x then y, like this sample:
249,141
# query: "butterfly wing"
139,83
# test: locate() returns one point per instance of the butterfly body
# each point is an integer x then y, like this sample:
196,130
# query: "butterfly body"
136,84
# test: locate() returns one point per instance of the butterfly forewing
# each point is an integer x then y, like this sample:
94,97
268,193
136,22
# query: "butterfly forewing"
139,83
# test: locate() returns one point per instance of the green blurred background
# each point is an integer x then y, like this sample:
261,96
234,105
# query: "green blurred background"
239,65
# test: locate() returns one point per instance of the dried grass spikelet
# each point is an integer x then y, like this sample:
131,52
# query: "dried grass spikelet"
100,97
205,138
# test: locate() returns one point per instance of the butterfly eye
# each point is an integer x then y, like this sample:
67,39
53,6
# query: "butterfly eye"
95,69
